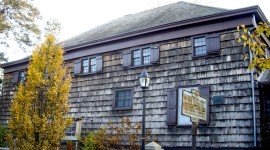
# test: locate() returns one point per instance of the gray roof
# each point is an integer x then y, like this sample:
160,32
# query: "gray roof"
159,16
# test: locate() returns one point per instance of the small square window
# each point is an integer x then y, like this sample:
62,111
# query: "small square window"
123,98
199,46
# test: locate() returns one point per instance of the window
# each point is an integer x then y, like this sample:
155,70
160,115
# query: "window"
93,64
88,65
21,76
73,132
140,56
199,46
146,55
123,98
85,66
137,57
205,45
18,77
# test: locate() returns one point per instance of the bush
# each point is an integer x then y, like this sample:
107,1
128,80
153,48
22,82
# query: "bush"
127,136
3,132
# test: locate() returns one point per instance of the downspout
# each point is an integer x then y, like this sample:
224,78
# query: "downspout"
253,92
253,102
252,82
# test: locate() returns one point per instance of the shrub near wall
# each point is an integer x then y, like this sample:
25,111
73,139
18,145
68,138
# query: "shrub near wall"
127,136
3,131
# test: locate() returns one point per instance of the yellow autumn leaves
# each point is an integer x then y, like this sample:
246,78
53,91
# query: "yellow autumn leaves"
38,110
256,45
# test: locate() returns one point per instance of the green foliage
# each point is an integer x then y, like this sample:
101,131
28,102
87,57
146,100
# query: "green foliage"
39,108
3,132
18,22
126,136
256,46
88,141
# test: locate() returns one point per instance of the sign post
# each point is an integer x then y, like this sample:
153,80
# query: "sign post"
195,107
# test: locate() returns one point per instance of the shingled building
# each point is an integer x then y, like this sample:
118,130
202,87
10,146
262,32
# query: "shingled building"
182,46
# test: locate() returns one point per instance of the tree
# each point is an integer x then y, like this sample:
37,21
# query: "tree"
17,22
256,46
38,109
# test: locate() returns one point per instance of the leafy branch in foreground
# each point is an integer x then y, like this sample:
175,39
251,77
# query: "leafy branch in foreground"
256,46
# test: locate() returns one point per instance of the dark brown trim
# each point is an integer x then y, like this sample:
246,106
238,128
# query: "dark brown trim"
114,99
17,67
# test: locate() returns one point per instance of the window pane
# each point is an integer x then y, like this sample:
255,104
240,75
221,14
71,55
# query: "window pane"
146,60
93,68
93,64
21,76
137,61
93,61
71,131
123,98
146,52
136,53
85,66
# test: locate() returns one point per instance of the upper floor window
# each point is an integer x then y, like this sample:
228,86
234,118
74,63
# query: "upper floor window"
21,76
18,77
88,65
204,45
199,46
123,98
93,65
137,57
141,56
85,66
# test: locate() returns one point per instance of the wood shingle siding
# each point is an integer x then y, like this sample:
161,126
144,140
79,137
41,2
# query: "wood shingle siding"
226,74
221,71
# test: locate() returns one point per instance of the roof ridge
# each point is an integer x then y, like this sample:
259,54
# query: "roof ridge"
204,5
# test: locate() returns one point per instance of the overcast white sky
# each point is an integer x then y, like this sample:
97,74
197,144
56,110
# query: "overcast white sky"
77,16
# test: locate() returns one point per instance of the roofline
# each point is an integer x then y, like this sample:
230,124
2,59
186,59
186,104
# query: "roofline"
230,13
20,61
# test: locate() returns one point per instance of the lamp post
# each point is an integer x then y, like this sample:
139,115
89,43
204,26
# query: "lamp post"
144,82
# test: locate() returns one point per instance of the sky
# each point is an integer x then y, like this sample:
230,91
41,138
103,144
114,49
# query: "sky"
77,16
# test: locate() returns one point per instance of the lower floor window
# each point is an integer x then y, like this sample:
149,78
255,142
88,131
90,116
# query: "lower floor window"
123,98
